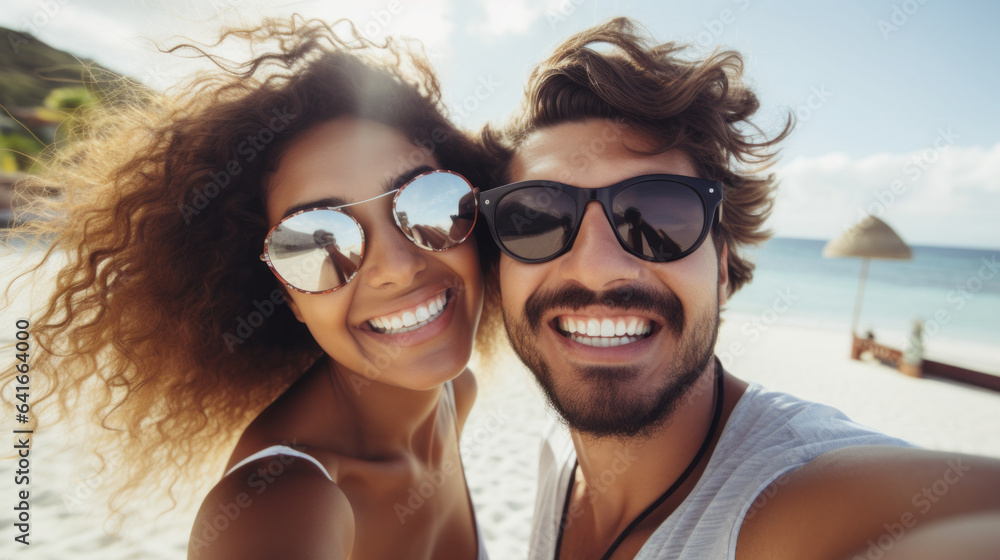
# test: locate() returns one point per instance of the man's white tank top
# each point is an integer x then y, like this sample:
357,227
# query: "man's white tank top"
768,434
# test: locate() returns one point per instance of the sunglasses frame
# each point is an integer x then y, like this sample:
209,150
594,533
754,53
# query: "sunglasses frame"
265,257
709,191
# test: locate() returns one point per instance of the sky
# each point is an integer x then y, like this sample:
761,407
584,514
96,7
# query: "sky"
894,99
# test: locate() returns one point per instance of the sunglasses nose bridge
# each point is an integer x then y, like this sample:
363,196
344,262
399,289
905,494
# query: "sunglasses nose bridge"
596,259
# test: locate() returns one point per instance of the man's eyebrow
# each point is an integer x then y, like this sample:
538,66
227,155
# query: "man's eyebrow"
390,183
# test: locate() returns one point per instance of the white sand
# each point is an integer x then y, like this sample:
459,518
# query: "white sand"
500,443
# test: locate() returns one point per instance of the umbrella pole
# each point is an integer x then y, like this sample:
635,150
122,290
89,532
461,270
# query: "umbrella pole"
861,296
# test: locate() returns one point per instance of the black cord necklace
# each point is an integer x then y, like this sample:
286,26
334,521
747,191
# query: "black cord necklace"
716,415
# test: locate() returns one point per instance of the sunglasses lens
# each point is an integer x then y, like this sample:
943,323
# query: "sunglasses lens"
317,250
659,219
535,222
437,210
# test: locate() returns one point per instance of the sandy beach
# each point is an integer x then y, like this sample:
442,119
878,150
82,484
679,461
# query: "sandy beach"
501,442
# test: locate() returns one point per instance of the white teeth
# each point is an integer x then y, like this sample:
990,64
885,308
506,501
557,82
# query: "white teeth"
423,314
604,333
411,319
602,342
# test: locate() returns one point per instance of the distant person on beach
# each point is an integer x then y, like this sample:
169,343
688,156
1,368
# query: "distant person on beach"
667,455
237,284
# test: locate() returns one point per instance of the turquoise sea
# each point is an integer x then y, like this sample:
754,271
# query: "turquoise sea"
956,292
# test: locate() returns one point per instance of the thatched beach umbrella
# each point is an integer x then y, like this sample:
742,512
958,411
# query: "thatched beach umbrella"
870,239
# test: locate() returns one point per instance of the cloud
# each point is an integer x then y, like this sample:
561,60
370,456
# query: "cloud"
940,195
516,17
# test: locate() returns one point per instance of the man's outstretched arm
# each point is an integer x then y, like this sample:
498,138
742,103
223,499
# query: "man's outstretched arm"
863,502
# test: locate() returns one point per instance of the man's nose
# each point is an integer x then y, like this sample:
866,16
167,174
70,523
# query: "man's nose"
596,259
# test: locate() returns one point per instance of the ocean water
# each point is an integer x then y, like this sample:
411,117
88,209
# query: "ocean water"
954,291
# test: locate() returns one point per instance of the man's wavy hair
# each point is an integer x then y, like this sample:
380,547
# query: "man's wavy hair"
154,242
617,72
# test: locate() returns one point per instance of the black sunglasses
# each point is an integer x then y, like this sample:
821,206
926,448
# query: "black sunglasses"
658,218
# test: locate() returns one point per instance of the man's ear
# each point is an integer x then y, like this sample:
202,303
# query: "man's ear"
723,274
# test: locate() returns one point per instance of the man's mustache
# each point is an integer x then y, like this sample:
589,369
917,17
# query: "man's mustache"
665,305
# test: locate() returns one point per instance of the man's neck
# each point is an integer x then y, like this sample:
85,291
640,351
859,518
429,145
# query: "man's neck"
621,478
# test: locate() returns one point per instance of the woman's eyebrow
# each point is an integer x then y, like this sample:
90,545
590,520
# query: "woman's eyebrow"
318,203
390,184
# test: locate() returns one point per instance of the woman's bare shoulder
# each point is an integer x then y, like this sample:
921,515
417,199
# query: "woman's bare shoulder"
290,420
280,506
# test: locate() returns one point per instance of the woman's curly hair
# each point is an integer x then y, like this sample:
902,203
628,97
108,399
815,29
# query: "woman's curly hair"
702,107
163,319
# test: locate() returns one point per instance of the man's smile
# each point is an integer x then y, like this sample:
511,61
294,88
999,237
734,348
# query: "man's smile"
603,332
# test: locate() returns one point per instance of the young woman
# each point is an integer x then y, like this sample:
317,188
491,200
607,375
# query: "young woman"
281,258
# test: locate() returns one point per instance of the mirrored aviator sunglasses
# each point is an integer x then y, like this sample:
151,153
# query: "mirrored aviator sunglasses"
658,218
318,250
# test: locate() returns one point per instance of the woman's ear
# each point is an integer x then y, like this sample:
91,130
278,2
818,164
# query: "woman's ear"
291,303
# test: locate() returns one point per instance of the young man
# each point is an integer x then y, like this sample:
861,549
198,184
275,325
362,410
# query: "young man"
633,192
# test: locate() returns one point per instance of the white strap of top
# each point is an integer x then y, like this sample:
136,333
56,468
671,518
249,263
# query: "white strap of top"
280,450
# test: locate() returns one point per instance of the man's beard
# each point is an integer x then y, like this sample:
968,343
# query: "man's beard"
600,405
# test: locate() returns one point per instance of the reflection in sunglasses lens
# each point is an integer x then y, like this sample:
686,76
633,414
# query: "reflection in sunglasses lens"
659,219
436,211
316,250
536,222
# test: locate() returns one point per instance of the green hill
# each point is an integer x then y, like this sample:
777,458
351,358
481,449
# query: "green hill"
30,69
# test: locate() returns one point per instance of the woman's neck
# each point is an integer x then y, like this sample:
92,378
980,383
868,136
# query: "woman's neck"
384,421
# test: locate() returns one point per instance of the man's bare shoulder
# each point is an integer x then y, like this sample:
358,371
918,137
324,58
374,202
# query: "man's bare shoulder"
849,500
277,507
